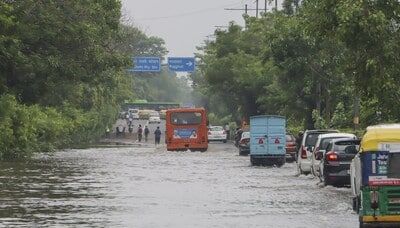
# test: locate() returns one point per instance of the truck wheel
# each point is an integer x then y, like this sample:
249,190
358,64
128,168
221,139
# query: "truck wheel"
252,161
281,162
224,141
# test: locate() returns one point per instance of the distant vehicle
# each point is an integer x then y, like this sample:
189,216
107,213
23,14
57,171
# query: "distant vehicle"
267,140
307,146
375,177
186,128
162,114
244,144
134,113
217,133
290,147
320,149
335,163
154,119
145,114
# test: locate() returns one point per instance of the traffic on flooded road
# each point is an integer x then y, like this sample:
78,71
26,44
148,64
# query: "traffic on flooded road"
149,187
181,114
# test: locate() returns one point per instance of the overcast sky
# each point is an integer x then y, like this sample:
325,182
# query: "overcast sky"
184,24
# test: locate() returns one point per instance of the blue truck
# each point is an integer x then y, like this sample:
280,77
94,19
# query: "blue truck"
267,140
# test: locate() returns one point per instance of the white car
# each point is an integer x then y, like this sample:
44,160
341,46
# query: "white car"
154,118
217,133
134,113
320,148
307,146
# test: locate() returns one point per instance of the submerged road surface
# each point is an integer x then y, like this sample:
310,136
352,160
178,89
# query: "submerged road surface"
148,187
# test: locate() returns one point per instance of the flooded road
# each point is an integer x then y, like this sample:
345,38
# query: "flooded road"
148,187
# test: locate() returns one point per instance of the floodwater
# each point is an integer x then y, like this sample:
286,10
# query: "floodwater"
149,187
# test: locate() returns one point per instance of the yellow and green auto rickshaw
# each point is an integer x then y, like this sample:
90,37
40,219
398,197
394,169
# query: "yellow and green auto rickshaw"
375,177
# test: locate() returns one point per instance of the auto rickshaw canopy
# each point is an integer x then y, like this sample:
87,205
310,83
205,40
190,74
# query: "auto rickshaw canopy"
387,133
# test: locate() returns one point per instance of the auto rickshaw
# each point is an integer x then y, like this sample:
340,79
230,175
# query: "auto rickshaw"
375,177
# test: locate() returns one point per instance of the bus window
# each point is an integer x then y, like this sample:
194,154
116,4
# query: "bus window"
186,118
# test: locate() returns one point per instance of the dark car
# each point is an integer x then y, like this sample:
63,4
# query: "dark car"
335,163
244,144
291,147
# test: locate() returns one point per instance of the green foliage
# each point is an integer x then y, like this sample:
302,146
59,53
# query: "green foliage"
319,122
218,120
308,63
63,72
164,86
339,118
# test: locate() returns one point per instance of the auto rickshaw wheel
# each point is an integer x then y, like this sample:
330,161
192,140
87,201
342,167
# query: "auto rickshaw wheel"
361,222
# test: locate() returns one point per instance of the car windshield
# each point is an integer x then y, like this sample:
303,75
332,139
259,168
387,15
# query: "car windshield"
311,139
348,147
186,118
325,142
289,138
216,128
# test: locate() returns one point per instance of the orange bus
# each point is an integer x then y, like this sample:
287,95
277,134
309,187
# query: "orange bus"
186,128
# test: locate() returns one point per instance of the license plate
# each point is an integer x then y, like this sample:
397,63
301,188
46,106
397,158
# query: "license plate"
348,171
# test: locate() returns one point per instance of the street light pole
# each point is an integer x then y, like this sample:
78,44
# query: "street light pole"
265,6
257,8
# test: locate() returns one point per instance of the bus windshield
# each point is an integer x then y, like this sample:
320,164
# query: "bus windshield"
186,118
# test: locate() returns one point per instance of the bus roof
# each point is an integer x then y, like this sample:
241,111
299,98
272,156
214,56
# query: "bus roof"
385,133
264,116
186,110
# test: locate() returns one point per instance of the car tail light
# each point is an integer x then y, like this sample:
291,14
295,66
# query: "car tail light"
303,152
331,156
224,133
244,141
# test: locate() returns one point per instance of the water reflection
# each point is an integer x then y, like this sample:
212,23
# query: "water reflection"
52,189
147,187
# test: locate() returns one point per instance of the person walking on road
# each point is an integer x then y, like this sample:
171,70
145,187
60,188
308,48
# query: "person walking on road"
238,136
157,135
228,131
146,133
140,133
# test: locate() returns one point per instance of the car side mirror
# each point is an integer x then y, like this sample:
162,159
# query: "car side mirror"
319,155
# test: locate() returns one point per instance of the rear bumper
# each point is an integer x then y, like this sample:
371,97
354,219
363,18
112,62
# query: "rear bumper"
267,159
291,150
186,146
338,173
217,139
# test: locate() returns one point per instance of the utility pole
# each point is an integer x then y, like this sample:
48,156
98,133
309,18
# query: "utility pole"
265,6
245,9
276,5
256,8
